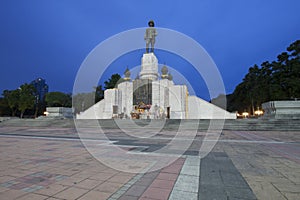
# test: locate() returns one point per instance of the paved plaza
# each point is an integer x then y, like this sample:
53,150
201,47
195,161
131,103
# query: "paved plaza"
52,163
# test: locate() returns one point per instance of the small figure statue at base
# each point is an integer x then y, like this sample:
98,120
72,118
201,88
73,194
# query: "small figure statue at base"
150,36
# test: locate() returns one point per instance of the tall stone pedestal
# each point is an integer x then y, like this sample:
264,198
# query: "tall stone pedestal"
149,69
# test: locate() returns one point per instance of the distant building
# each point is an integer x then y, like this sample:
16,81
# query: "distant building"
41,89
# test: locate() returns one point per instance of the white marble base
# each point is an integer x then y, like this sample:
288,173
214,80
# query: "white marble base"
149,68
281,109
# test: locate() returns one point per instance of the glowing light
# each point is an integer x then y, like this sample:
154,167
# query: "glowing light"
245,114
259,112
46,113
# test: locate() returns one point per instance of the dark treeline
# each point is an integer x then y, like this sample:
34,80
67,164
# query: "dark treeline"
276,80
24,100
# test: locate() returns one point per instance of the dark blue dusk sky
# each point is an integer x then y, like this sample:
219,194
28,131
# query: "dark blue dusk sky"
51,38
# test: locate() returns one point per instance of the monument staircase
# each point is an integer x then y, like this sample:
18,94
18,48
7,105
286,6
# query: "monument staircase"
169,124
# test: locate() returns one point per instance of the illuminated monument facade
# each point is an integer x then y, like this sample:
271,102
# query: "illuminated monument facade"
152,95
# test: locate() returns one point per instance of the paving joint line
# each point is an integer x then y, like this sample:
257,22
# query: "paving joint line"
131,182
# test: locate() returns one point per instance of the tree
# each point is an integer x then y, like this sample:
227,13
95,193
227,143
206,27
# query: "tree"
294,68
58,99
113,81
12,99
4,108
26,98
294,50
99,93
276,80
220,101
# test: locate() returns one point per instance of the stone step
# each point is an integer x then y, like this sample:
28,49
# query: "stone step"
172,124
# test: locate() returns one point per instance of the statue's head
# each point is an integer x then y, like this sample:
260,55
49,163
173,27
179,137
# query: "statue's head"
151,23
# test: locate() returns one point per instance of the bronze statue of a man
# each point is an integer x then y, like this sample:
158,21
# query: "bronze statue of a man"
150,35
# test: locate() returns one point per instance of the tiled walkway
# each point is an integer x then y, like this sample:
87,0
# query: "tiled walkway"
248,165
47,169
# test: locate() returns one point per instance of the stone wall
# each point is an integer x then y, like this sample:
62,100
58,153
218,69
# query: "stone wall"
59,112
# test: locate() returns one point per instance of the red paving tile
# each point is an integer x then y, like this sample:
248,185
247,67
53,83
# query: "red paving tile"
163,184
167,176
127,197
46,183
102,176
109,187
179,161
157,193
175,169
120,178
145,198
95,195
88,184
11,194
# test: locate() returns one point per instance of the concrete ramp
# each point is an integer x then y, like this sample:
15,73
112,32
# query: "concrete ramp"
201,109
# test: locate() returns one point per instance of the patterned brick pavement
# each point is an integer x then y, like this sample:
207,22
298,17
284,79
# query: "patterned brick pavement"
252,165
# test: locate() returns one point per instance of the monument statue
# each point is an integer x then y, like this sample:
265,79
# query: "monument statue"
150,35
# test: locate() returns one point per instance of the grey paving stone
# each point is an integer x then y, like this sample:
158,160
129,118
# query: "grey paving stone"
190,170
179,195
193,161
136,190
233,179
219,179
187,183
239,193
212,192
